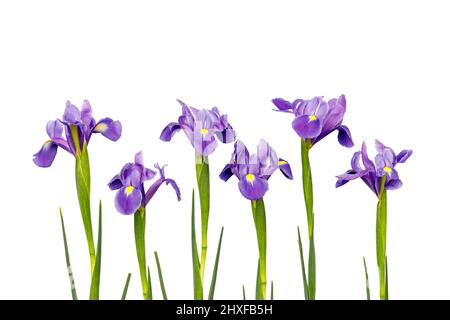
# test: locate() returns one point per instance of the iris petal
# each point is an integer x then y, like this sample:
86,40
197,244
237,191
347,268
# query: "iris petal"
169,131
226,136
128,199
253,188
109,128
403,156
44,157
345,137
282,105
285,168
226,173
307,128
71,114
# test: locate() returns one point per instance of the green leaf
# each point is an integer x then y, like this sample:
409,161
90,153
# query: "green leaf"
271,290
202,172
66,251
381,226
258,291
95,282
198,287
387,280
243,292
367,279
125,289
212,288
312,269
139,238
259,217
161,280
83,184
305,282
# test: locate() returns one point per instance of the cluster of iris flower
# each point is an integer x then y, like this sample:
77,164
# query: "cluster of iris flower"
313,120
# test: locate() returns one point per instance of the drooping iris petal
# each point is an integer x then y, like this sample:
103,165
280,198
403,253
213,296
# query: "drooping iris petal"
345,137
253,187
226,173
54,129
227,135
175,187
71,114
44,157
128,199
109,128
115,183
393,184
306,126
169,131
285,168
282,105
403,156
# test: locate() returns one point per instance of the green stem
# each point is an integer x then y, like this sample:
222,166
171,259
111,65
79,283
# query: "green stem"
309,200
139,237
83,184
259,217
381,228
202,173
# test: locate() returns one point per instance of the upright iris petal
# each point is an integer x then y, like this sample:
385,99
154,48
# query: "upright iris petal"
254,171
202,128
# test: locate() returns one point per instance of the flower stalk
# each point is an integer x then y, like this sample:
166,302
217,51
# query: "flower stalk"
259,217
139,238
381,231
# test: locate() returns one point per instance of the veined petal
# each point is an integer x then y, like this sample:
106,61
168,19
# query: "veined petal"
253,187
379,146
128,199
285,168
109,128
345,137
312,105
356,161
44,157
403,156
86,115
115,183
393,184
169,131
307,127
226,136
226,173
322,110
282,105
71,114
54,129
368,164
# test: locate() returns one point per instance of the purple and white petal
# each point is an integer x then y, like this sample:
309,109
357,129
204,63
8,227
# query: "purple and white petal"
44,157
307,127
115,183
71,114
345,137
128,200
285,168
282,105
109,128
403,156
253,187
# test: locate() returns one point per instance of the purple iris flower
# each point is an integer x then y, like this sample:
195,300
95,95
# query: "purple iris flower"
317,118
202,127
254,171
130,185
372,173
73,132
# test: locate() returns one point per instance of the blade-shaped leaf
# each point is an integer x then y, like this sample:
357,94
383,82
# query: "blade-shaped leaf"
149,295
139,239
125,288
243,292
258,292
367,279
305,282
212,288
202,172
161,279
271,290
66,251
95,282
198,288
381,226
312,268
387,280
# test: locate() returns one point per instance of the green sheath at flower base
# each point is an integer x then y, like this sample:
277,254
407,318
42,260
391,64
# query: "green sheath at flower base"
309,201
202,172
139,237
381,228
83,183
259,217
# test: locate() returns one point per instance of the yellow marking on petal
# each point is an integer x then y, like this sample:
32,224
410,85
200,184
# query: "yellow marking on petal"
312,117
204,131
100,127
387,169
128,190
281,162
250,177
48,144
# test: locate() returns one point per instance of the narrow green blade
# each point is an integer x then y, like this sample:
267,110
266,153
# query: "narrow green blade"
66,251
212,288
198,288
125,289
381,229
367,279
202,172
139,240
259,217
258,292
95,282
149,295
243,292
305,282
387,280
271,290
312,269
161,279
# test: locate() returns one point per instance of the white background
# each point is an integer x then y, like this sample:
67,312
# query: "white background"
132,59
